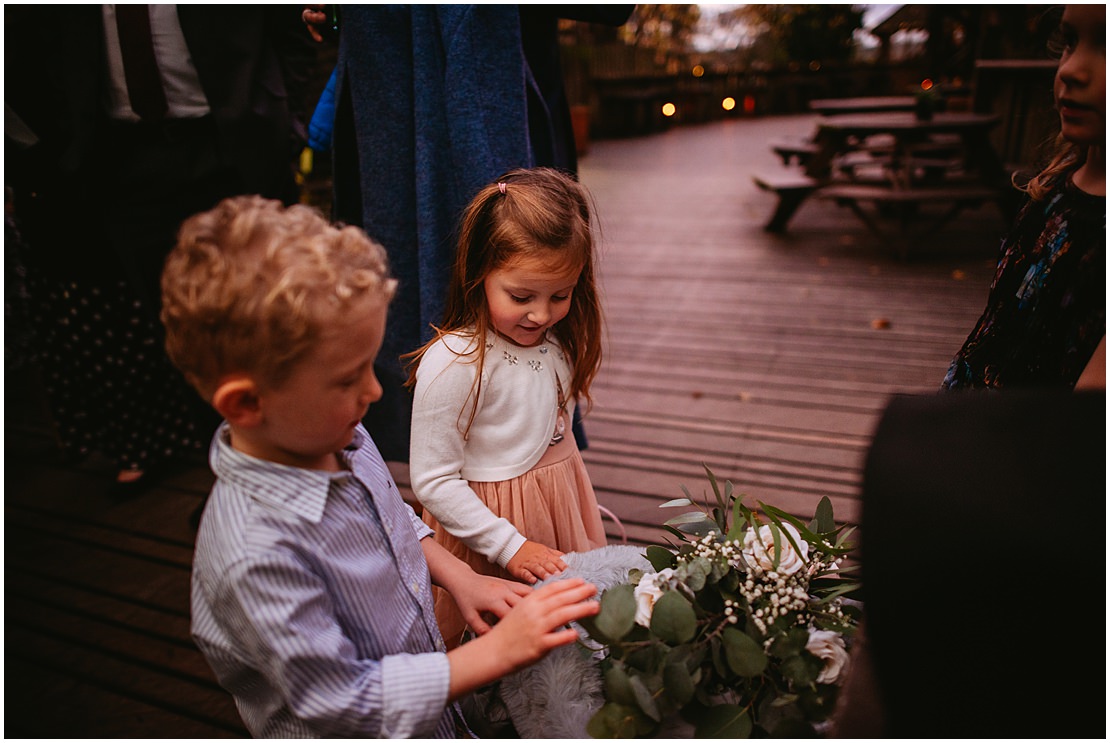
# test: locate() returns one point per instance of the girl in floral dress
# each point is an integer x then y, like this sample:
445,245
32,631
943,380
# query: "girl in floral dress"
1045,318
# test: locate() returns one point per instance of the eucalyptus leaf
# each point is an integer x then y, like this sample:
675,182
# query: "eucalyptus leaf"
648,659
618,612
789,644
677,502
684,654
678,683
689,517
694,523
744,655
617,721
800,669
618,686
697,570
673,620
660,557
729,582
644,698
724,721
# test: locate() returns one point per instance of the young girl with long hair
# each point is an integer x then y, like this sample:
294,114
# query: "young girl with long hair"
492,458
1045,320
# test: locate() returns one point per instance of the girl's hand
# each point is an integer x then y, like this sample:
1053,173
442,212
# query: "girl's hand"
526,634
535,561
482,594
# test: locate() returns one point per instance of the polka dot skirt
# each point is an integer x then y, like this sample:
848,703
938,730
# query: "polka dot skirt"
111,387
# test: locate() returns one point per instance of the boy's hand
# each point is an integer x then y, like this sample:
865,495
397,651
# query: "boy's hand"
484,593
535,561
525,635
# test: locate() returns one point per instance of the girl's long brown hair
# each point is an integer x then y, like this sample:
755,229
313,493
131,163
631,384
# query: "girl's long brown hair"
539,213
1067,157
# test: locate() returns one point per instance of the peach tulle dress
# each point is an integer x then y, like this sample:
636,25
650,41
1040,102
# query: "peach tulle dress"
553,504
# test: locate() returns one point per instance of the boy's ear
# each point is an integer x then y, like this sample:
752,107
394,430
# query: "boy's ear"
238,401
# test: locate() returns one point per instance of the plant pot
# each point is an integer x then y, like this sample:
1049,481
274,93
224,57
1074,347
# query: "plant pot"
580,123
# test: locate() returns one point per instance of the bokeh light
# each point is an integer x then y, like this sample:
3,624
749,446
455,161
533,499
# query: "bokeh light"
698,70
728,103
669,109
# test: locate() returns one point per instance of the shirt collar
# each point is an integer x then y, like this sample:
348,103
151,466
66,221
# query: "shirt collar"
294,489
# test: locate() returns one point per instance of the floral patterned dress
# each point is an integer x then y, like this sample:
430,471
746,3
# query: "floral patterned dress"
1046,311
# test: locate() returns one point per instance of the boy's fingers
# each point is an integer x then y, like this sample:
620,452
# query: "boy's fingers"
479,625
576,589
562,637
573,612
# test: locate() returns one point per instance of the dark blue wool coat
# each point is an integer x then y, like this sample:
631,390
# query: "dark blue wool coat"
432,106
438,97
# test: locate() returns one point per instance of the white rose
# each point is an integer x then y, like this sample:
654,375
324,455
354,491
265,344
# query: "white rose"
647,592
759,550
829,647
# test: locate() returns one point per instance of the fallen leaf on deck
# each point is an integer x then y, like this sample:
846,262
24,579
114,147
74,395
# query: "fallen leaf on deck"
696,395
744,397
880,323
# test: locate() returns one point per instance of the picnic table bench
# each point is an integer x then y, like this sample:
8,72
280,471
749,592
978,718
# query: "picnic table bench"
893,162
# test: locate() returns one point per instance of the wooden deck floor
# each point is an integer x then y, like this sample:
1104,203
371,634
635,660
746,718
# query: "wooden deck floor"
767,358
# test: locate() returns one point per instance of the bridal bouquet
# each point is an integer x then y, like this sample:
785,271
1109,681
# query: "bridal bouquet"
742,629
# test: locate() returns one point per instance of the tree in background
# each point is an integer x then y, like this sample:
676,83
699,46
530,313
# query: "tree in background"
799,34
664,29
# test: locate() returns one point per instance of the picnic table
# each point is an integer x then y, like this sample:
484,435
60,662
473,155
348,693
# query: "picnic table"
864,104
886,166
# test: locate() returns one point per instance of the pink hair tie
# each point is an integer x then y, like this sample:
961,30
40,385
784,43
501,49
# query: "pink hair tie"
501,188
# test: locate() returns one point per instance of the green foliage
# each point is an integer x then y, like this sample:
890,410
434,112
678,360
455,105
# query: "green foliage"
673,620
724,721
618,613
717,636
744,655
803,33
664,29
